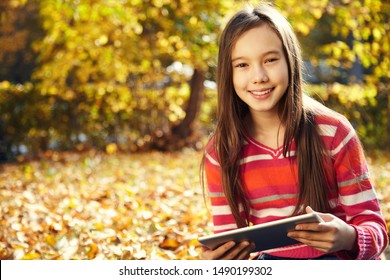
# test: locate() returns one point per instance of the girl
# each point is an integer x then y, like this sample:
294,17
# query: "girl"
276,152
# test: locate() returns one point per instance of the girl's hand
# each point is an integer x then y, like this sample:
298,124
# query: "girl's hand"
229,251
331,235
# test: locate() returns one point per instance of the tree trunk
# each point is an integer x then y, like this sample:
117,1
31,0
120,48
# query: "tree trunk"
185,128
3,149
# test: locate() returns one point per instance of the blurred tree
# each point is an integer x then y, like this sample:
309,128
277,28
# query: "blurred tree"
346,46
134,71
102,62
19,26
183,36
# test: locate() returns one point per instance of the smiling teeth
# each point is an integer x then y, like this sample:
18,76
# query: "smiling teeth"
259,93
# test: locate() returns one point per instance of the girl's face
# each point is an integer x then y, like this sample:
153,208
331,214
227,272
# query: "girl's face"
260,72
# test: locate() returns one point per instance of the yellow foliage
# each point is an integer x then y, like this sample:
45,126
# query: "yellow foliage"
111,148
5,85
92,250
51,240
31,256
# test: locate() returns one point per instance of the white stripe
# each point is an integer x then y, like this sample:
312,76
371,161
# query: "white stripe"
277,212
255,158
289,154
225,227
372,224
274,152
365,212
221,210
360,197
272,197
327,130
212,161
356,180
343,143
216,194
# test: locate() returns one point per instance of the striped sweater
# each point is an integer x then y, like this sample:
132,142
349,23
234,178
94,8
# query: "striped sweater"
270,181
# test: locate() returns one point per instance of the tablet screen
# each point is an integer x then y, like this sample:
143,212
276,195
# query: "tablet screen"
265,236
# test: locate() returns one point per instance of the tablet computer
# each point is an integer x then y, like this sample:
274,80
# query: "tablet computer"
265,236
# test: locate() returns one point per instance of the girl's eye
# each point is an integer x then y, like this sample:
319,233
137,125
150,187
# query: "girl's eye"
241,65
269,60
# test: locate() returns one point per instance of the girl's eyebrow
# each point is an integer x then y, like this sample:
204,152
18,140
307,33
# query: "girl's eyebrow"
264,54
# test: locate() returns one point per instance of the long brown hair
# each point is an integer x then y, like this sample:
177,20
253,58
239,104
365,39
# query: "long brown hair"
298,120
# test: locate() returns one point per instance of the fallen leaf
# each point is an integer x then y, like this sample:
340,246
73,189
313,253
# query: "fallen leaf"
169,244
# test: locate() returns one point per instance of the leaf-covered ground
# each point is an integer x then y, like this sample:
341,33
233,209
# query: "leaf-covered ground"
71,206
119,206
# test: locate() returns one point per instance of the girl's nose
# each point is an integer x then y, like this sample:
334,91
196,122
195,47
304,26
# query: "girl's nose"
259,75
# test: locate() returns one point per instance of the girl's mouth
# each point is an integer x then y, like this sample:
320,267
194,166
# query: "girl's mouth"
261,92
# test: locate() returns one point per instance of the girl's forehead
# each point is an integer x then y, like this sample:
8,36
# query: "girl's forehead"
260,39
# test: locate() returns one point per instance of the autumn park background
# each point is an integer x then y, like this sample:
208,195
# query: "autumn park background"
105,106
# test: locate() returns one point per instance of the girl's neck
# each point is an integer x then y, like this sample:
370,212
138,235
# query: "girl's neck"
266,129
